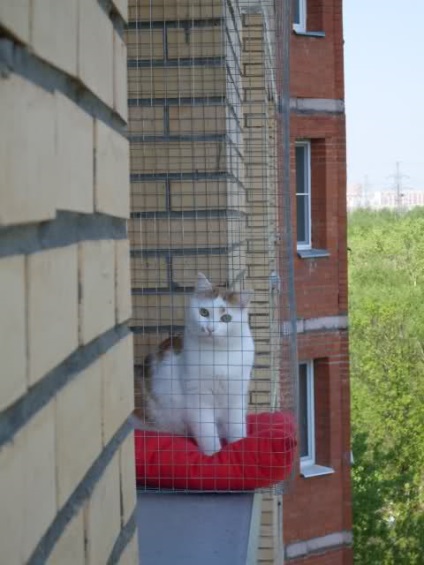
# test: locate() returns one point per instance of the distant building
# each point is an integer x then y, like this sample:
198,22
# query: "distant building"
358,197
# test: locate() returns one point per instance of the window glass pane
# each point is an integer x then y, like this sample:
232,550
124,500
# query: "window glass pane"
303,194
296,11
302,219
303,410
301,180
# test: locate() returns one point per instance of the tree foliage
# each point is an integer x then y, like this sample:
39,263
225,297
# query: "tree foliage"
386,273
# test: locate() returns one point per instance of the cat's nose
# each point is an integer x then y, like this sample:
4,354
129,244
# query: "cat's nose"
210,330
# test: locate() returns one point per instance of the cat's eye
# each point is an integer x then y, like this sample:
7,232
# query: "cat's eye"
226,318
204,312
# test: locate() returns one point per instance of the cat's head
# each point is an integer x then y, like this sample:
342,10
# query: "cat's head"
214,312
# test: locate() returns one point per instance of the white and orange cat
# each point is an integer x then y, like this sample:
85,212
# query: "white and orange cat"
199,383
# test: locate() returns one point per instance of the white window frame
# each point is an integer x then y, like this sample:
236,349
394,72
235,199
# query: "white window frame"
309,459
300,26
307,244
309,468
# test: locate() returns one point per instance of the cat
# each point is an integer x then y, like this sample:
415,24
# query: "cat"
199,382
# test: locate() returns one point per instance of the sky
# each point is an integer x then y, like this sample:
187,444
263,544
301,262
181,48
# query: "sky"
384,81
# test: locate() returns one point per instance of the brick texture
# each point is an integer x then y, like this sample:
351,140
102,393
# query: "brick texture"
105,502
205,42
127,473
122,281
122,7
27,113
145,10
13,334
64,281
330,352
78,429
27,467
321,284
52,309
130,555
206,49
95,50
317,63
173,82
69,549
74,145
56,43
259,144
97,288
111,180
318,506
146,44
261,184
120,103
15,17
117,393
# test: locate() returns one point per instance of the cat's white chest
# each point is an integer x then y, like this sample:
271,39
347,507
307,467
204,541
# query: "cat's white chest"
221,364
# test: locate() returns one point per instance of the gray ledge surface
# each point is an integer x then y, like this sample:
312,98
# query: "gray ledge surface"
310,33
194,529
312,253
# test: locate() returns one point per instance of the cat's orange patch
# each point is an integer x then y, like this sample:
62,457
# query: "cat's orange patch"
173,343
231,297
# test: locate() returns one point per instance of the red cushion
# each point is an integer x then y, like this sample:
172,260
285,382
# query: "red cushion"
260,460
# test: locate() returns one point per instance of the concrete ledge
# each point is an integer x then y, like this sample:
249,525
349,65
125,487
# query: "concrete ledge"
317,105
325,323
311,471
309,33
67,228
313,253
314,545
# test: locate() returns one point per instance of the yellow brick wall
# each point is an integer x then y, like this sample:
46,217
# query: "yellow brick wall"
188,203
261,188
66,377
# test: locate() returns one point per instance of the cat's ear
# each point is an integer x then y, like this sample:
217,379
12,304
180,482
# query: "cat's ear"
202,284
245,296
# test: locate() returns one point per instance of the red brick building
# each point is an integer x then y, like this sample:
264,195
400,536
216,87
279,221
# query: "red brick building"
317,510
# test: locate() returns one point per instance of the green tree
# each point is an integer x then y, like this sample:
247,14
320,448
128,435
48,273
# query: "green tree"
386,272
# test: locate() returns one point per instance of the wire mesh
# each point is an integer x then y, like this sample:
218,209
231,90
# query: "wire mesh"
208,127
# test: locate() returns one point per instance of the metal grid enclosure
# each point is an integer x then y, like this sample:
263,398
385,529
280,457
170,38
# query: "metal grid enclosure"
208,128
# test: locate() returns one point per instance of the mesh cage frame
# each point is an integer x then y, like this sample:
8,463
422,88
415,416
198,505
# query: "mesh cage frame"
209,109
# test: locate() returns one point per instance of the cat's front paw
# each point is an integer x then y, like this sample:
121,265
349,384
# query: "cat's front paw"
235,431
211,451
237,437
210,445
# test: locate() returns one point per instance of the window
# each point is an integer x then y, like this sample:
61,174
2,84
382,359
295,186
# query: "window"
303,194
299,15
306,413
308,17
311,454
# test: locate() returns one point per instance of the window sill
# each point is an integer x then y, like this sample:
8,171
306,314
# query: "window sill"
308,471
309,33
312,253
